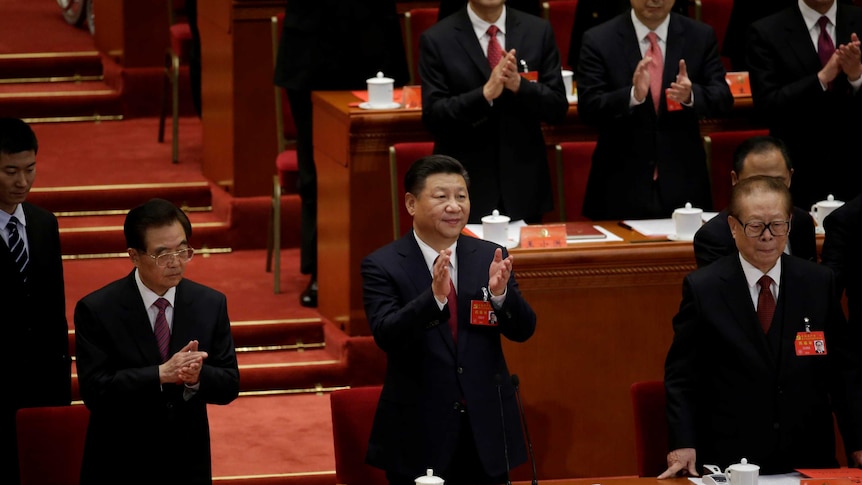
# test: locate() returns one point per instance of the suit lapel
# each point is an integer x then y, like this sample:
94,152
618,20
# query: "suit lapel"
416,271
470,280
798,41
466,38
183,317
138,322
675,46
734,292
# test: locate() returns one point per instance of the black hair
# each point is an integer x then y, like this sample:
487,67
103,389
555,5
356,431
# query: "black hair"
153,213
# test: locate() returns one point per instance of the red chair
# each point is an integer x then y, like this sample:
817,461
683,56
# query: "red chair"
176,58
416,21
650,420
715,13
401,156
286,164
51,443
574,159
561,15
352,416
719,148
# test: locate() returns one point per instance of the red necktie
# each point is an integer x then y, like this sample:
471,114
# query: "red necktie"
765,303
163,333
656,69
825,46
453,311
495,52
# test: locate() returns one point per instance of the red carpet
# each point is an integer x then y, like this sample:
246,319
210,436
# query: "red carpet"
25,23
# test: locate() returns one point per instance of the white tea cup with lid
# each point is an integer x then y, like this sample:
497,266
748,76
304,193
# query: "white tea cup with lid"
495,228
686,221
819,210
429,479
742,473
380,89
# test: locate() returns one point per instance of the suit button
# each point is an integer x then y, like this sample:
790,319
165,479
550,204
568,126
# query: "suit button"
460,370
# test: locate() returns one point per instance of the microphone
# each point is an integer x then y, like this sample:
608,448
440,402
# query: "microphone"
503,424
524,421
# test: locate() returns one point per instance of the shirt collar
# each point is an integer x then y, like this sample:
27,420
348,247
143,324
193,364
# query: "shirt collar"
752,274
149,296
811,16
19,213
642,30
481,26
430,254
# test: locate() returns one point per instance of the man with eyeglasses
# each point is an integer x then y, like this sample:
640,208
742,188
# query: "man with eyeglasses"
743,377
758,155
153,350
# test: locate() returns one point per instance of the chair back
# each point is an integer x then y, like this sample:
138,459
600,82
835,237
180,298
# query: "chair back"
285,124
715,13
51,443
416,21
352,416
561,15
650,420
574,159
719,147
401,156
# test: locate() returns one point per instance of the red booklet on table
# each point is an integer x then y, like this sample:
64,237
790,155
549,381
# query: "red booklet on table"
582,230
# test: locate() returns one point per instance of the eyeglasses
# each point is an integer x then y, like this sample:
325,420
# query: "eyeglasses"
183,256
757,228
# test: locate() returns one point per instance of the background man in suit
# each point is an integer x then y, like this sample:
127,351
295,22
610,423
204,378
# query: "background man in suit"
487,116
812,105
153,350
737,383
759,155
448,7
33,300
589,13
649,158
841,253
742,15
331,45
446,377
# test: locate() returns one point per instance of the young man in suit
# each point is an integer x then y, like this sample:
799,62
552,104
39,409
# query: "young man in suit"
32,293
841,253
484,113
805,82
153,349
446,378
759,155
649,159
330,45
743,377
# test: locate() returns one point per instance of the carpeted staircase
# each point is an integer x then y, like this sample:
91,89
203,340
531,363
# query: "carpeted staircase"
95,162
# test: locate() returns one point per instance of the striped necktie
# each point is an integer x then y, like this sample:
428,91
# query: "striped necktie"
16,248
163,333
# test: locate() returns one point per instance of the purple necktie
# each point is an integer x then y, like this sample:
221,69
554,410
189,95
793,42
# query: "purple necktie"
825,46
163,333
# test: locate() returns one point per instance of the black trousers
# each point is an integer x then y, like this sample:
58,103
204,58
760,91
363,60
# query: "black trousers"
300,106
466,467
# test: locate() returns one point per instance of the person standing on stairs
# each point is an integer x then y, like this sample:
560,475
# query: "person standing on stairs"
32,293
154,350
331,45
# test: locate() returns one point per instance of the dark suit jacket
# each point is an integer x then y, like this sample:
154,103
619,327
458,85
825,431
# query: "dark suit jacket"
141,430
37,334
743,14
448,7
417,420
714,240
338,45
632,141
734,392
589,13
501,146
841,253
820,128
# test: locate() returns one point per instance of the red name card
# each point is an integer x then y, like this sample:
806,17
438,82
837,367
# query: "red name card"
740,85
543,236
